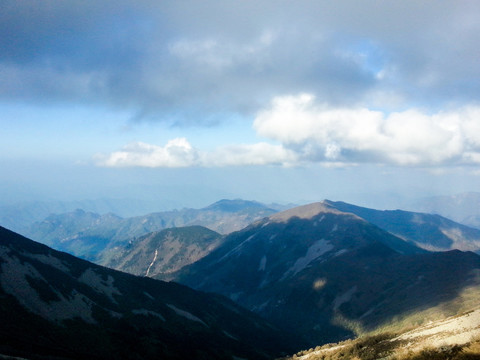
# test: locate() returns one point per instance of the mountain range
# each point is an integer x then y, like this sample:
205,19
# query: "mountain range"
332,275
161,253
463,208
322,272
428,231
56,306
87,234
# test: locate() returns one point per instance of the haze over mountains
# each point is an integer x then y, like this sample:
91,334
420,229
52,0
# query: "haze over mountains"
431,232
322,272
86,234
464,207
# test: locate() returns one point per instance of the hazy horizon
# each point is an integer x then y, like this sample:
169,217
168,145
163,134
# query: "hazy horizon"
185,103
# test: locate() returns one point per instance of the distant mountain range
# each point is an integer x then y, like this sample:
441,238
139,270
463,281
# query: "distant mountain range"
331,275
158,254
56,306
431,232
463,208
87,234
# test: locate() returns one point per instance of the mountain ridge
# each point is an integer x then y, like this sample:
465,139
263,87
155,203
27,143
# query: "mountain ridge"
327,273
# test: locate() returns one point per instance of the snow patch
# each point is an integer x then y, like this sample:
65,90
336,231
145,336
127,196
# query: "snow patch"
316,250
153,262
230,335
263,263
235,296
13,279
146,312
186,314
236,248
94,280
148,295
49,260
340,252
344,298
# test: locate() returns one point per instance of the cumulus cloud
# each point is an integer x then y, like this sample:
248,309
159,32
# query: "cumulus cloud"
194,59
320,133
307,131
176,153
179,153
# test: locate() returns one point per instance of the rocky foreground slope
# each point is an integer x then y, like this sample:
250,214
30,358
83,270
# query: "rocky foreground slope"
454,338
53,305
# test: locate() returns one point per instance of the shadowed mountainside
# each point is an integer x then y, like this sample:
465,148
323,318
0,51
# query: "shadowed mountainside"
53,305
162,252
331,275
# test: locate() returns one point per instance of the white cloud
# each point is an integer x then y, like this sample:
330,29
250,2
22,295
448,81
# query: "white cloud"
179,153
176,153
320,133
309,132
250,154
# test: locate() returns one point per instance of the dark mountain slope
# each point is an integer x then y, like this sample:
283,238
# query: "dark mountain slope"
330,275
432,232
53,305
162,252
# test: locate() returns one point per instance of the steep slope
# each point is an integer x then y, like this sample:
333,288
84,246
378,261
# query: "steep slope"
53,305
431,232
86,234
331,275
162,252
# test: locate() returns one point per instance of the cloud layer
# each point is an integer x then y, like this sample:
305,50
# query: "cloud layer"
308,132
190,62
179,153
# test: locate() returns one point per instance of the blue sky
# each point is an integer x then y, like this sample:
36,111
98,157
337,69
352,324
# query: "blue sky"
279,101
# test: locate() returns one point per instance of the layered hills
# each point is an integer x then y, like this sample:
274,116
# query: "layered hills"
87,234
428,231
161,253
332,275
463,208
53,305
325,272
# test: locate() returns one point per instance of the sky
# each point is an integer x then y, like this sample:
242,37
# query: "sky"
186,102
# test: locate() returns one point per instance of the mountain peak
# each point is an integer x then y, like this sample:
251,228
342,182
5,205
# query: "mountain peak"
234,205
305,211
